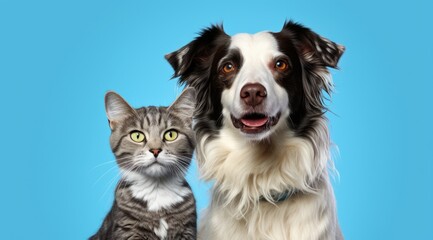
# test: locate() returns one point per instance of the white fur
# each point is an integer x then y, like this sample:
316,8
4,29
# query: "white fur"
158,194
181,55
258,51
161,232
146,159
244,169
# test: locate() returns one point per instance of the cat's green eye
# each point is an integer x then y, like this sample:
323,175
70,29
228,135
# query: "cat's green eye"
170,135
137,136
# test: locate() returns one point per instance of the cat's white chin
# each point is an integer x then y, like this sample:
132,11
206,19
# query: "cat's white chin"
158,193
156,170
149,166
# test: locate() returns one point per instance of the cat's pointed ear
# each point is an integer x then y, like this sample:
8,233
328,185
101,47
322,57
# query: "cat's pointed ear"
117,108
312,47
185,103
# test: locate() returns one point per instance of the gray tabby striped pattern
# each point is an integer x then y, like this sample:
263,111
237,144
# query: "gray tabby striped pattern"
153,147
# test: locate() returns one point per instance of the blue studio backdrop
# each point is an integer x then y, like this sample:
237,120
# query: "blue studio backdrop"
58,58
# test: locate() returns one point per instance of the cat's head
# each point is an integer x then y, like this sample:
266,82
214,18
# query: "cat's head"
156,142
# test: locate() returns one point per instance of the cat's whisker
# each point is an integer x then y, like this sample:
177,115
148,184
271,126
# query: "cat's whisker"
179,171
125,158
118,175
109,170
185,162
104,174
109,185
183,158
104,163
127,171
109,162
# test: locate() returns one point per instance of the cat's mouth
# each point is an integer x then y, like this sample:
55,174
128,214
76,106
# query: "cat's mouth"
154,163
153,169
145,166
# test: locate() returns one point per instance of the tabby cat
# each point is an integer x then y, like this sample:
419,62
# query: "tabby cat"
153,148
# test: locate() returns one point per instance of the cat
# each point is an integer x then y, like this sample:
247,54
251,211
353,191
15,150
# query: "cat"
153,148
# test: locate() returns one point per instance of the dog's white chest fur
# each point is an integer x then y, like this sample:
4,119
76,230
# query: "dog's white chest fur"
294,219
261,129
243,173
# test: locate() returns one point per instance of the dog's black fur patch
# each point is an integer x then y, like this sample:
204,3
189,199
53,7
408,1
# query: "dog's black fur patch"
198,63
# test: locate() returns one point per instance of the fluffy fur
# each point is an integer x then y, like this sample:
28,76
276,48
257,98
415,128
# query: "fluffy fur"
153,147
261,131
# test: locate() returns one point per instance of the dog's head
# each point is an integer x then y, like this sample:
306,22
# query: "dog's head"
255,83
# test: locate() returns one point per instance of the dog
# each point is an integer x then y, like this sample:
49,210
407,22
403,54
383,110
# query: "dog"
262,134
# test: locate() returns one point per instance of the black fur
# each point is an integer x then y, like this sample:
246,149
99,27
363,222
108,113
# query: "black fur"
309,55
197,69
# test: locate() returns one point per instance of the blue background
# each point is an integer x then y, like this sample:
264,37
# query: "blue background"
58,58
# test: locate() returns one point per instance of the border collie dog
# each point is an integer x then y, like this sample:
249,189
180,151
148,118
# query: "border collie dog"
262,134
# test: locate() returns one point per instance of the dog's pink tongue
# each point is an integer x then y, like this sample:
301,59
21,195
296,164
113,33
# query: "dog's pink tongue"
254,122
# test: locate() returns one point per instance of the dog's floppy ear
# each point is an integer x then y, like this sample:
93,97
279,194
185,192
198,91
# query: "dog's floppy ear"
195,56
312,47
180,59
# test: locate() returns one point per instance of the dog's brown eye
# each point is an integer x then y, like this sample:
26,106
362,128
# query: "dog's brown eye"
228,68
281,65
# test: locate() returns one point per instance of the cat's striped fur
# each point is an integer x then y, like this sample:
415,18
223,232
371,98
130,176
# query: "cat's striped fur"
153,199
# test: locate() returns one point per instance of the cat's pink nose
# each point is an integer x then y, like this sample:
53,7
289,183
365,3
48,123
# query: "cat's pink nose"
156,151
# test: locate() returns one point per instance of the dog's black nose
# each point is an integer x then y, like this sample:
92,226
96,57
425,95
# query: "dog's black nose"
253,94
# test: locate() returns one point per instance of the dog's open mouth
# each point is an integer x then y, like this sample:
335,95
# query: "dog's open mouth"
253,123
